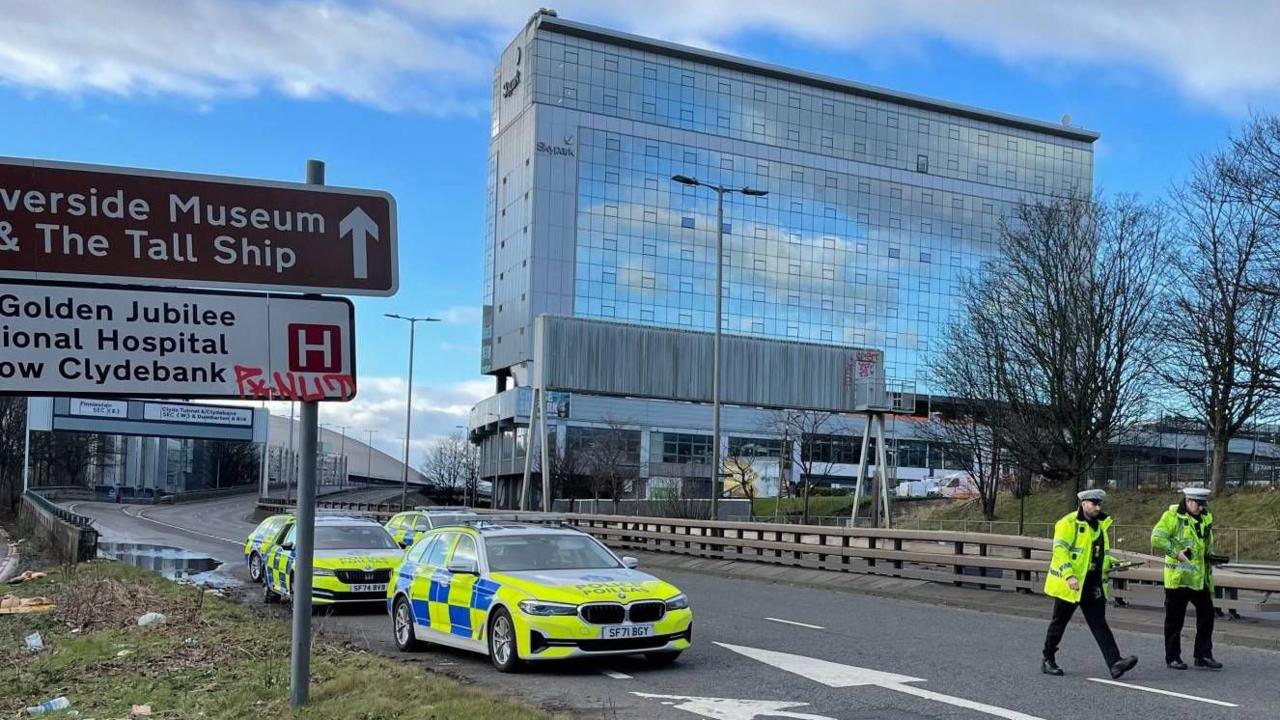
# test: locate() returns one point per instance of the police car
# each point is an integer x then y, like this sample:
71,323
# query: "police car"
353,562
408,527
523,593
263,538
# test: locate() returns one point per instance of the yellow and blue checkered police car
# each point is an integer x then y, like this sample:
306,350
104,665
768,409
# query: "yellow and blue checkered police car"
353,562
523,593
263,538
408,527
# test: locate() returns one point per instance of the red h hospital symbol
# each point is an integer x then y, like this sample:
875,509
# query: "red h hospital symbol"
315,348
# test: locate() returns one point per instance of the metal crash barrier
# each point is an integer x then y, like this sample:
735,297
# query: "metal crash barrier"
991,562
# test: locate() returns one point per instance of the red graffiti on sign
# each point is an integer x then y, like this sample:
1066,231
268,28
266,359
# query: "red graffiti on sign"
254,384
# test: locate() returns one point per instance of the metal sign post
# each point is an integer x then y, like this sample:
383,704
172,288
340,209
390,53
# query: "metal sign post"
304,547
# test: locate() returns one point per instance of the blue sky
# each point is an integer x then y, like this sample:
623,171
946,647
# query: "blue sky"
393,94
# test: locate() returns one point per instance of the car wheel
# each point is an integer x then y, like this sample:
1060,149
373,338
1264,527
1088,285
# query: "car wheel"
402,627
503,652
269,596
255,567
661,659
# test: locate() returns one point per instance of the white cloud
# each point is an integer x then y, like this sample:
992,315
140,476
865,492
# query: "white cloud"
379,406
432,56
468,315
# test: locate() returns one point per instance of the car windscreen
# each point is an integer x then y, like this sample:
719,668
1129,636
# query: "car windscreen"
457,519
546,552
354,537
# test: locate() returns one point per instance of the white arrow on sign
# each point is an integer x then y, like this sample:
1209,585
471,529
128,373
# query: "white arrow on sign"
360,226
837,675
730,709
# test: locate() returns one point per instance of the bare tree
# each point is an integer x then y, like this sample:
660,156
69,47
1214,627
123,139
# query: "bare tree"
963,436
228,462
740,471
13,423
1067,314
451,465
611,456
1216,332
812,429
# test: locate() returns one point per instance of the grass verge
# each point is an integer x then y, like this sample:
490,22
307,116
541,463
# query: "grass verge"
212,659
1247,521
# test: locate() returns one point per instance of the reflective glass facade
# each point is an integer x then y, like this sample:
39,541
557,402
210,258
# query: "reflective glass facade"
879,205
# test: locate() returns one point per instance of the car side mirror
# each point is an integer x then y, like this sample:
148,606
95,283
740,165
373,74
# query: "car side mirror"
286,546
630,563
462,567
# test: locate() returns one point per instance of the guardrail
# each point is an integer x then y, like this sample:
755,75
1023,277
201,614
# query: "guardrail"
1001,562
69,535
986,561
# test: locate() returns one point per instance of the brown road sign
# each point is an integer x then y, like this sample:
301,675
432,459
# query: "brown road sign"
104,224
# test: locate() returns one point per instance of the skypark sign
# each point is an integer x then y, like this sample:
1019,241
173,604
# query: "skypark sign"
102,224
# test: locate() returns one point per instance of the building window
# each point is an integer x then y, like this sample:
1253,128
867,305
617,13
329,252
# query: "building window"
926,257
686,448
895,252
724,87
827,141
793,135
922,163
686,222
953,133
611,100
830,449
828,108
686,80
891,120
793,101
650,73
648,108
761,95
570,56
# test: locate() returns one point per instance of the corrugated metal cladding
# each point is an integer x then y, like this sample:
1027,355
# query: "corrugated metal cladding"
606,358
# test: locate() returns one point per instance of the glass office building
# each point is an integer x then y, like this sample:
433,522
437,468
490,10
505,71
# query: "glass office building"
880,204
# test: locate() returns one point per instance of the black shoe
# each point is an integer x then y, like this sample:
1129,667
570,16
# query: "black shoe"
1049,667
1176,665
1208,663
1123,666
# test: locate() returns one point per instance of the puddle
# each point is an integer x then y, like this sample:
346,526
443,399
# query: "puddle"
171,562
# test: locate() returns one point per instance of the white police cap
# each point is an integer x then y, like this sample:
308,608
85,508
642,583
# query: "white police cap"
1198,494
1093,494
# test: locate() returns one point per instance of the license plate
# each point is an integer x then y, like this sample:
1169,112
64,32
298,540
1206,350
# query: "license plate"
369,588
620,632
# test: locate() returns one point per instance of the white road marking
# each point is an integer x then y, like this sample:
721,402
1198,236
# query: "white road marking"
125,509
837,675
793,622
1158,691
822,671
961,702
615,674
730,709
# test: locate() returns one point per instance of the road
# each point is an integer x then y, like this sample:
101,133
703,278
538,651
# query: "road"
769,650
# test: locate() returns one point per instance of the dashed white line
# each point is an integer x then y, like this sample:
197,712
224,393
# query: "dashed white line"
793,622
1158,691
615,675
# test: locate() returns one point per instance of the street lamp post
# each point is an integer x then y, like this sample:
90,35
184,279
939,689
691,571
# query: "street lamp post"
342,451
408,411
368,471
720,191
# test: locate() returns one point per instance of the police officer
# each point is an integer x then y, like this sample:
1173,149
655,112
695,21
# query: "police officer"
1079,575
1184,536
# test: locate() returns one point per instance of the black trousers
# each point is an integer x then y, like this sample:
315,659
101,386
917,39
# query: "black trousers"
1095,613
1175,611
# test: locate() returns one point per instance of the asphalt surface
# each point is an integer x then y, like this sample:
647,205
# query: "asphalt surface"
820,664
